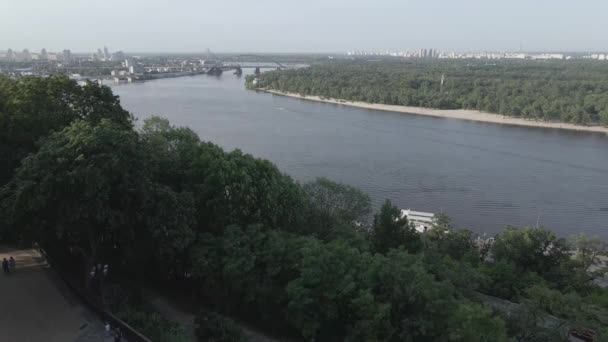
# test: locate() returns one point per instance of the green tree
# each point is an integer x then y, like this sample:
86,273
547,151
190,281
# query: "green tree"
85,186
332,204
390,230
588,250
473,322
33,107
531,249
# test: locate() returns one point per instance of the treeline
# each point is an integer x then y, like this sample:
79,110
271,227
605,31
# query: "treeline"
307,261
568,91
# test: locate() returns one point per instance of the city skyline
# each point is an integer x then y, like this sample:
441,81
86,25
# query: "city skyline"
314,26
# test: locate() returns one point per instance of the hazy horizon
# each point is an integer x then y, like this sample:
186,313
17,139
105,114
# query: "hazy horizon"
314,26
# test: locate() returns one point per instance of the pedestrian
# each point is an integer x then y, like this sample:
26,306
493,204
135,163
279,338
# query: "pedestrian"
107,328
5,266
117,335
12,264
105,270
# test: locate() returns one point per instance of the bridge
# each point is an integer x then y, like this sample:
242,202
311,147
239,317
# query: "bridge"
245,61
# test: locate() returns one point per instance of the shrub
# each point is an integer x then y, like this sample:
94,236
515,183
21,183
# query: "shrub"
213,327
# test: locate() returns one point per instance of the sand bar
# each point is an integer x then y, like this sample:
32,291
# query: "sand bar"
462,114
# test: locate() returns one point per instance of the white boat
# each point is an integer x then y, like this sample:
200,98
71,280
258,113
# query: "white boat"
422,221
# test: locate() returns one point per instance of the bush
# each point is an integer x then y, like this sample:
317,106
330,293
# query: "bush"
153,325
213,327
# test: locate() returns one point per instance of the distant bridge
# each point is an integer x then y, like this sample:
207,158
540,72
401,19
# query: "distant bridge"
246,61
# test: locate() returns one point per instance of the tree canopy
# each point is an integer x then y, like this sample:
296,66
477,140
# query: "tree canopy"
565,91
300,261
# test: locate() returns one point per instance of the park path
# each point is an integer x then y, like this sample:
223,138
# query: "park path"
171,311
38,306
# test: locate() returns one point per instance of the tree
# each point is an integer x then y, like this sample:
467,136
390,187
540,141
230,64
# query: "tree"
473,322
588,250
333,204
172,151
531,249
33,107
456,243
390,230
235,188
85,187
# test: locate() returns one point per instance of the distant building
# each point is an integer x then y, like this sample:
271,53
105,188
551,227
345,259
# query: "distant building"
136,69
43,54
106,54
25,55
515,55
118,56
548,56
67,56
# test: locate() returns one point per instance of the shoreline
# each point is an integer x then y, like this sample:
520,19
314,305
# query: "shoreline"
460,114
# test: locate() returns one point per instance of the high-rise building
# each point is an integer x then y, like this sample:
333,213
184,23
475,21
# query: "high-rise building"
118,56
67,56
43,54
106,54
10,55
25,55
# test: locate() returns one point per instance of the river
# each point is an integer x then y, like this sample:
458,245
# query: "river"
485,176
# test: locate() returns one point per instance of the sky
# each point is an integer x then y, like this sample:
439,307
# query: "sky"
304,26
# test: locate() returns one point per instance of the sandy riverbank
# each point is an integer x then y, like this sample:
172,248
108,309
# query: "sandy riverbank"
462,114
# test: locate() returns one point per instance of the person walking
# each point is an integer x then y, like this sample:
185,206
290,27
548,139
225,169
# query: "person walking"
12,264
117,335
5,266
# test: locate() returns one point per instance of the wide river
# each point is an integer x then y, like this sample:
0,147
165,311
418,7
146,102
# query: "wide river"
485,176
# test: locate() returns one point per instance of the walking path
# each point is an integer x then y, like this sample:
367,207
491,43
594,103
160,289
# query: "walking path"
38,306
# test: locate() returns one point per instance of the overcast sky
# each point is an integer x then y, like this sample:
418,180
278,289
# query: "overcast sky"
304,25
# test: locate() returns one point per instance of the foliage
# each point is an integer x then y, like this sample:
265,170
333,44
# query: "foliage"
296,260
554,91
212,327
333,204
130,307
588,250
85,185
473,322
531,249
390,230
152,324
33,107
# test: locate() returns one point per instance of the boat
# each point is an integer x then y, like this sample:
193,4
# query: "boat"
422,221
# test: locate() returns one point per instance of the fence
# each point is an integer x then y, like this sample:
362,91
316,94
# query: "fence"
129,332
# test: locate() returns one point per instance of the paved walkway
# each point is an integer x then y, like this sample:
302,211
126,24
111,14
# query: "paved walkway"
37,305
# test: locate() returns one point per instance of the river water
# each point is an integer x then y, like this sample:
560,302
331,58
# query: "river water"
485,176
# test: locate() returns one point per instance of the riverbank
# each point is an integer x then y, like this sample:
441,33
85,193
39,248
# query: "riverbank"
461,114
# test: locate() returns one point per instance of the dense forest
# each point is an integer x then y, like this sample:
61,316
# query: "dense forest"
566,91
308,262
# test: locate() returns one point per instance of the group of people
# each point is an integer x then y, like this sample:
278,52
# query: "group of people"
98,270
9,265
